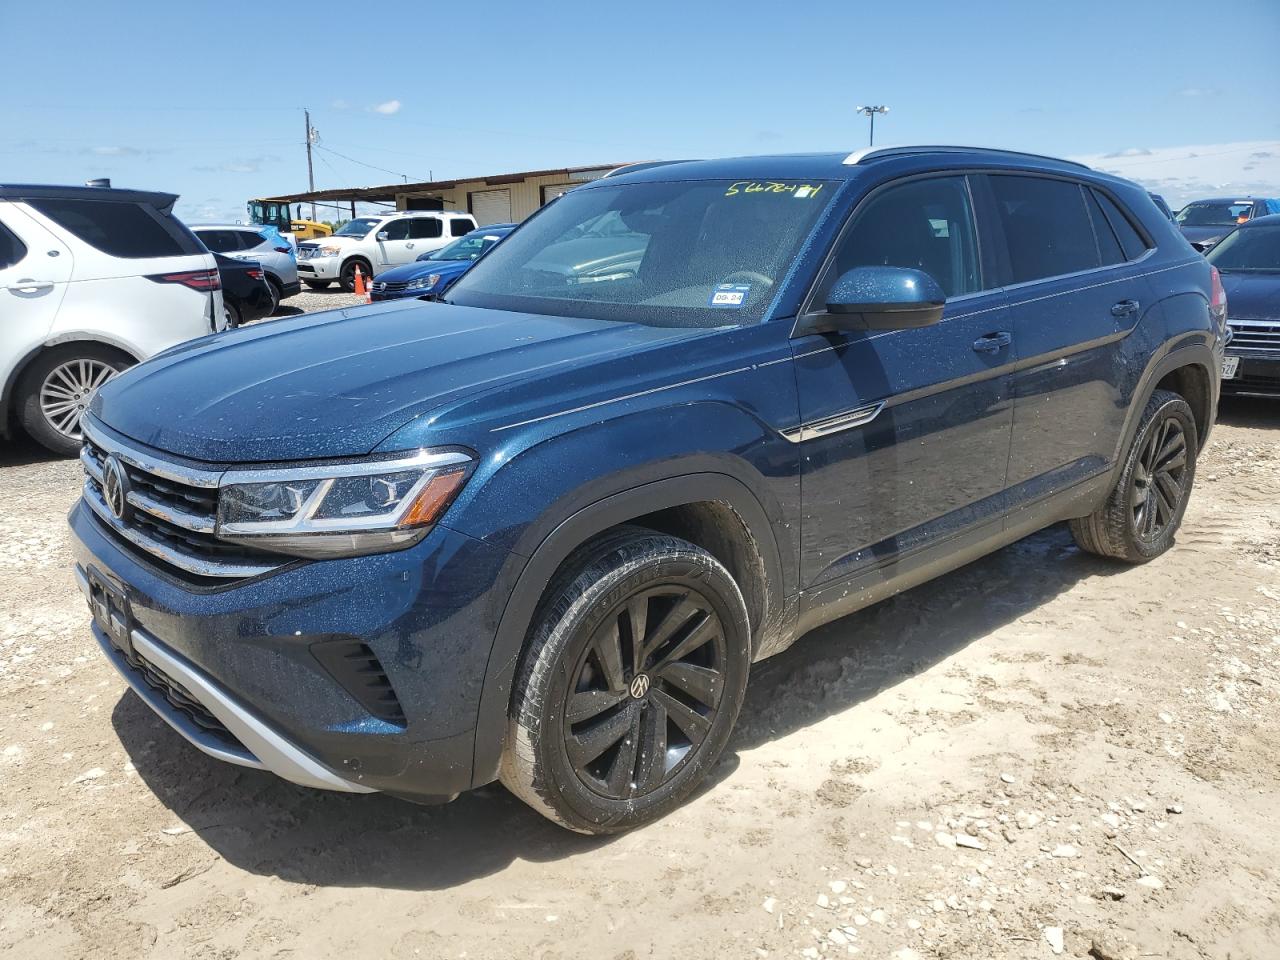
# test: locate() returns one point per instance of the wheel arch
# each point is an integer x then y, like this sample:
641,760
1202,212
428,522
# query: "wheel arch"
714,511
24,363
1187,363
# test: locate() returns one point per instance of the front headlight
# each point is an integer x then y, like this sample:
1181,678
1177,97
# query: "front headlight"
340,510
424,283
328,251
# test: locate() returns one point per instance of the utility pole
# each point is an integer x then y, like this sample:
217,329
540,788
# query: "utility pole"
311,174
871,112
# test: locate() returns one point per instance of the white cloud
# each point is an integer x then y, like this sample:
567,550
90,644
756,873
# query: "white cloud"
388,108
1182,174
340,105
116,151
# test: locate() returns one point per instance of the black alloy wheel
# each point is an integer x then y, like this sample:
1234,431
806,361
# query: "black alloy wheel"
646,691
1158,479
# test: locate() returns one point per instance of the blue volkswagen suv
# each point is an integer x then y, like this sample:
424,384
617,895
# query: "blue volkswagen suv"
539,531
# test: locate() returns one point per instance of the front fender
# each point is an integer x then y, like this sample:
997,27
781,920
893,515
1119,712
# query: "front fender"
560,491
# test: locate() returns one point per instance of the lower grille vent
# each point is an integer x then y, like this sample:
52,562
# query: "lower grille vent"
354,665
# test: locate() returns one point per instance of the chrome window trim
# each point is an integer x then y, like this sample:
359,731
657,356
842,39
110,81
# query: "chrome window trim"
419,458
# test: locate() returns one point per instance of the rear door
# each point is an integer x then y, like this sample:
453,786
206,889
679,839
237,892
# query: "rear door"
906,437
35,267
425,234
1074,294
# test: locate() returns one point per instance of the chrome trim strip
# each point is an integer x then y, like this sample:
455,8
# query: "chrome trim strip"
272,751
201,568
90,465
857,417
192,732
420,458
195,522
191,476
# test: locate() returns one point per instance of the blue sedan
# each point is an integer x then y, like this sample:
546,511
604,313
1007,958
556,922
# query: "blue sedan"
432,273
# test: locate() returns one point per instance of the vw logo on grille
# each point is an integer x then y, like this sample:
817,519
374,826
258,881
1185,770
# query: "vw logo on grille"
115,488
639,685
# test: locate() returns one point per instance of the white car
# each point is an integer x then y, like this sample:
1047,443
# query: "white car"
376,244
92,280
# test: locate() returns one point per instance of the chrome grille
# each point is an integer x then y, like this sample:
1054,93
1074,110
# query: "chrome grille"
1256,338
173,512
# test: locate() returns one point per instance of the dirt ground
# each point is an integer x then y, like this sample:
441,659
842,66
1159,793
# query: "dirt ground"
1039,753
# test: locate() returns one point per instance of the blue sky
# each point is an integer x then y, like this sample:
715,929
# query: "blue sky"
206,100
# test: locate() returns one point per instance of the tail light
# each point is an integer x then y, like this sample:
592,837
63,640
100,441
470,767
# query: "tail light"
1217,296
202,280
256,273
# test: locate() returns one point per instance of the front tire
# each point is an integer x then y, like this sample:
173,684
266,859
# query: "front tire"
633,677
347,276
1142,513
55,390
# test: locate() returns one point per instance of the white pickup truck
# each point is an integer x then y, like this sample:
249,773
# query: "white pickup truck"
375,244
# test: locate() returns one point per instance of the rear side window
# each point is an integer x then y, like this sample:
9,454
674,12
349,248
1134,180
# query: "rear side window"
460,228
922,224
425,228
1108,245
1046,226
1130,240
12,250
247,239
128,230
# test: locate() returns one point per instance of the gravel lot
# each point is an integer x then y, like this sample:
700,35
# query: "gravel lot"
1041,753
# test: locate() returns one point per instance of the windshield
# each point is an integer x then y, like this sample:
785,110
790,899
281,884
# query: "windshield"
1214,213
1255,248
702,253
466,248
358,227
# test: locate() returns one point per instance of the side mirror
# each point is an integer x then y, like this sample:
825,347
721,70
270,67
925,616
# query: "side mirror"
382,235
882,298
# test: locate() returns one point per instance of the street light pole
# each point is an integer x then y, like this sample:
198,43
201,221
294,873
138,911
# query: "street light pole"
871,112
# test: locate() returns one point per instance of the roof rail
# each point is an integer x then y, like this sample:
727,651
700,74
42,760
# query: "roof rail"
877,153
634,167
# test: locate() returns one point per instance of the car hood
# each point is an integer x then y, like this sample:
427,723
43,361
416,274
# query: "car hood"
424,268
336,384
1201,234
1252,296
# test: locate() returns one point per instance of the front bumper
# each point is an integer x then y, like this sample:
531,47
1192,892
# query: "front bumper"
1256,376
250,655
319,268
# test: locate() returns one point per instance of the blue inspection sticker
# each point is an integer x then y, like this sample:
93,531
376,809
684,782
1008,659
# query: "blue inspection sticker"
729,295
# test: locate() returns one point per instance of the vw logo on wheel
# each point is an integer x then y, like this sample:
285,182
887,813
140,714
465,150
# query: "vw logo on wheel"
639,685
115,488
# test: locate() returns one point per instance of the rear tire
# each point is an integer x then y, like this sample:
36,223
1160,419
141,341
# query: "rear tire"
318,284
1141,515
606,734
234,317
276,294
54,392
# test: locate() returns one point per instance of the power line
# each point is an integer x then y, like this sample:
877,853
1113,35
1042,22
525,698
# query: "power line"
371,166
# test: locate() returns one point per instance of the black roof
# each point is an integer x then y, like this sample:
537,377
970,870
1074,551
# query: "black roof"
35,191
840,166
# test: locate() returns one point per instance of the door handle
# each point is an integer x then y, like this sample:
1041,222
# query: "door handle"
993,342
409,246
1125,308
27,285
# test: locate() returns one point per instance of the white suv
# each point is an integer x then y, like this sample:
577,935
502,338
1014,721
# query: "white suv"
92,280
375,244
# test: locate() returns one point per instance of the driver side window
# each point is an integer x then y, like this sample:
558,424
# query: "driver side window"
396,229
926,225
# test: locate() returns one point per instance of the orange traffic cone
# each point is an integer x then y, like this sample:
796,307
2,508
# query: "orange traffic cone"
360,290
